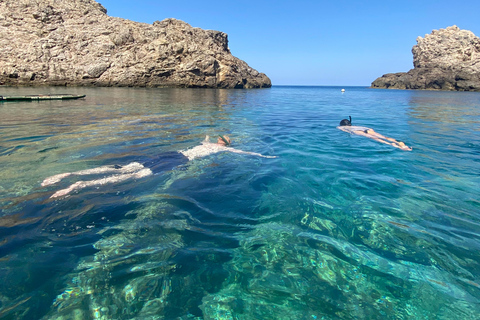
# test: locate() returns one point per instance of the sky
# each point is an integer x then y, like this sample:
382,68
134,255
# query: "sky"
337,43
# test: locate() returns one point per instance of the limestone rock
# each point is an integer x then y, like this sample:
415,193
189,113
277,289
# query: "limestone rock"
446,59
74,42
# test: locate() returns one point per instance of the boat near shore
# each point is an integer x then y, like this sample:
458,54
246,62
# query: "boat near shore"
41,97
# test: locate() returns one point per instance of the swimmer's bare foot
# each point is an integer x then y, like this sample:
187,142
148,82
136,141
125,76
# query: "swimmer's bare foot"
54,179
402,146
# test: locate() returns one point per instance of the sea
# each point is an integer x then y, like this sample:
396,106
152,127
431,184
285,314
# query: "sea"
336,226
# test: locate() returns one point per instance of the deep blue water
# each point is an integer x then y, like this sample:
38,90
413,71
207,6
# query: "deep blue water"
336,227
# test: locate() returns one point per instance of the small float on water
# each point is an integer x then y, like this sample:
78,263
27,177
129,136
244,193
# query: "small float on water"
34,97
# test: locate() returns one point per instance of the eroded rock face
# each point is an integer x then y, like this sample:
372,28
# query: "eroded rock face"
74,42
446,59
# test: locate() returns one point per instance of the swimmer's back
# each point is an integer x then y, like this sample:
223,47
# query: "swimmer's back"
352,129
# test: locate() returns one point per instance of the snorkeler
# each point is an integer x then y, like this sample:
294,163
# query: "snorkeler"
346,125
138,170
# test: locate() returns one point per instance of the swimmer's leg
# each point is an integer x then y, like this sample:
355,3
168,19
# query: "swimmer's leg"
396,144
131,167
112,179
393,142
54,179
372,133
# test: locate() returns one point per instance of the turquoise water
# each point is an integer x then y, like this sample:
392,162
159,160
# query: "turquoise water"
336,227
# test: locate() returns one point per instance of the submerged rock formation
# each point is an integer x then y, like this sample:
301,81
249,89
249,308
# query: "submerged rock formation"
446,59
74,42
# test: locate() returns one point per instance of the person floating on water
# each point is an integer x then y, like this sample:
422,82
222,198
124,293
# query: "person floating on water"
139,170
346,125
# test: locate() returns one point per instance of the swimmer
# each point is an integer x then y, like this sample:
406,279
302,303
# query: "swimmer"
136,170
346,125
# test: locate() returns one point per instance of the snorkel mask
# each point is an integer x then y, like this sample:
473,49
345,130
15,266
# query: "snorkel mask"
224,140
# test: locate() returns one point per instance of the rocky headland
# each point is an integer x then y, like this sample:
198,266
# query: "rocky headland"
75,42
446,59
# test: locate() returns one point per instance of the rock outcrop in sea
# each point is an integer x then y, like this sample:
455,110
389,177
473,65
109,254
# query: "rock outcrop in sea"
446,59
74,42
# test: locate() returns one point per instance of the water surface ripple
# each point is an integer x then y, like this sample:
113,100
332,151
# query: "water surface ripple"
336,227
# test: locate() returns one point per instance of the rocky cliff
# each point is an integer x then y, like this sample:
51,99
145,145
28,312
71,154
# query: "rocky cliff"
446,59
74,42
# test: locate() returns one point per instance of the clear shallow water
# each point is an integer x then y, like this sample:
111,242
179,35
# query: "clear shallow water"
336,227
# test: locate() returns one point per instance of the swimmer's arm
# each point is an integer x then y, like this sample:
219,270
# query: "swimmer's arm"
249,153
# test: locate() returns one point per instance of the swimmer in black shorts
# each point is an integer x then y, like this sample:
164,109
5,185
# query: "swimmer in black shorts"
137,170
346,125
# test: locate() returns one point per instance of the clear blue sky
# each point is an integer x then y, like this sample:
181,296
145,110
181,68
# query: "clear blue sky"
302,42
